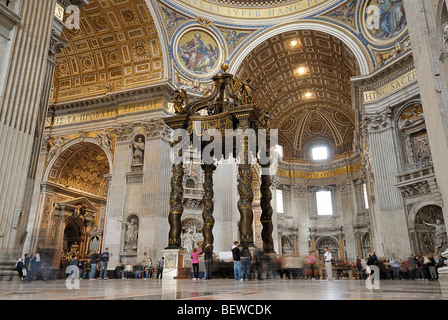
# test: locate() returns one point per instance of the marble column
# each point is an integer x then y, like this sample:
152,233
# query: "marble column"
341,247
21,98
389,219
155,190
430,55
113,230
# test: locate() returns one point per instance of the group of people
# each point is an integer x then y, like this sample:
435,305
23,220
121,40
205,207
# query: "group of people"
28,266
416,267
248,264
89,269
140,271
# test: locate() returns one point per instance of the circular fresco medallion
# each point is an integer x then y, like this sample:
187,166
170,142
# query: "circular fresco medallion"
198,53
384,21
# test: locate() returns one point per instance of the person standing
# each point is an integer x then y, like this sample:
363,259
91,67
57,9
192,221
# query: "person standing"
328,266
412,266
36,263
246,260
236,253
258,262
27,265
359,267
20,267
148,269
104,260
160,265
208,261
195,262
93,262
395,265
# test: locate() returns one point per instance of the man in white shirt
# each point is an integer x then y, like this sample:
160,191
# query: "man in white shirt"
327,259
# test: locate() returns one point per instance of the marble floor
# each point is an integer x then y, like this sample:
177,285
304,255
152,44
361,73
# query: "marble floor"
255,290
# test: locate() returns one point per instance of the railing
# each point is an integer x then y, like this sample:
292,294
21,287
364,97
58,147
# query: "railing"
415,171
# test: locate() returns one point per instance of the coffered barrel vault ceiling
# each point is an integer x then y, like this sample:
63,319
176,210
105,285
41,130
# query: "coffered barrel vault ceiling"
303,80
116,48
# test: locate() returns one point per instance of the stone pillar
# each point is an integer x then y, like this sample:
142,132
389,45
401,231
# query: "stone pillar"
59,223
20,100
280,248
113,230
389,217
295,244
358,243
430,54
313,243
341,247
207,199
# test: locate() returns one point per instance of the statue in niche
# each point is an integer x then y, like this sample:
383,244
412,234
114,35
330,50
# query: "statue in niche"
440,236
131,235
139,151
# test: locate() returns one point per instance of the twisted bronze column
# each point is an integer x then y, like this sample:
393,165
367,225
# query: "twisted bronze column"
245,204
207,199
266,212
246,194
176,207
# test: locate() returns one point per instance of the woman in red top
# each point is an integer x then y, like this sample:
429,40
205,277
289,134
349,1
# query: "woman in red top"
195,262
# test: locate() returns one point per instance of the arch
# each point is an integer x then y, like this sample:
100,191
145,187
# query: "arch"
416,208
287,245
327,241
356,47
72,144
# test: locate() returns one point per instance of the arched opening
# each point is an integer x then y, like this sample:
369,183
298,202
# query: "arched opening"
75,197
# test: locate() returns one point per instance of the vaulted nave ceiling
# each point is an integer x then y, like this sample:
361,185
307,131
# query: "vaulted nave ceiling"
303,81
116,48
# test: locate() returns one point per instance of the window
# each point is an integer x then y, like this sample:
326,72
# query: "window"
319,153
366,199
279,199
324,204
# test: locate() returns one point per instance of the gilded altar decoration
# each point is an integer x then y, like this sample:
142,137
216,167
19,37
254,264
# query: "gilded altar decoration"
209,119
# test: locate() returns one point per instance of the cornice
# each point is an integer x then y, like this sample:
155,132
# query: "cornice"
165,89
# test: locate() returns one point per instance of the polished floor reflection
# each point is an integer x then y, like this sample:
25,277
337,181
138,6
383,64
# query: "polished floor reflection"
278,289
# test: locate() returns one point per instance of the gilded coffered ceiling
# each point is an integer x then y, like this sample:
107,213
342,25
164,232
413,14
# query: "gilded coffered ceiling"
303,80
82,167
117,47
